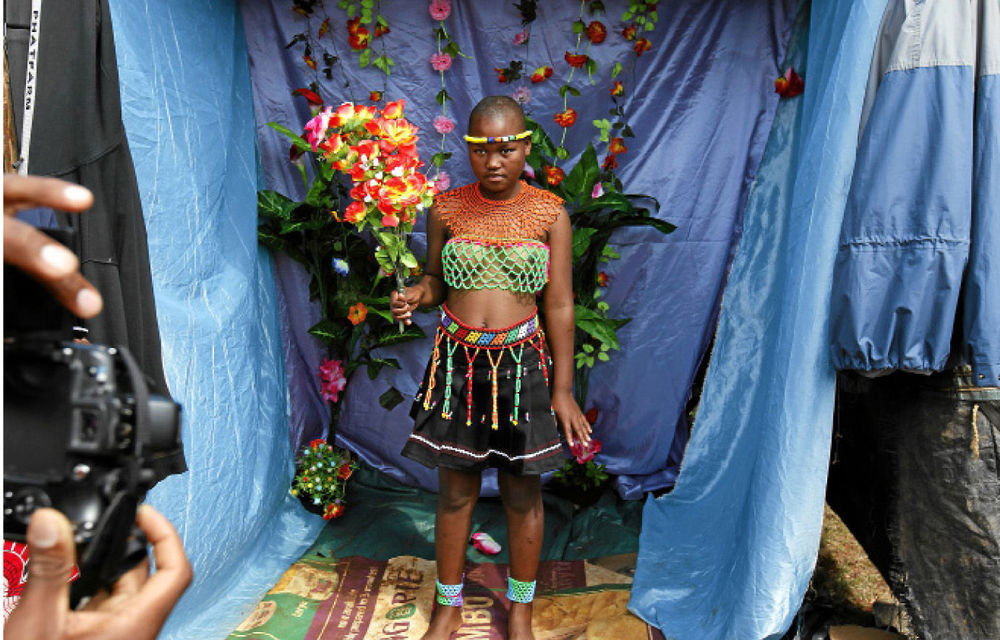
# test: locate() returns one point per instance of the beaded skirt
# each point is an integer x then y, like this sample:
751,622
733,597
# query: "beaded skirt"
484,401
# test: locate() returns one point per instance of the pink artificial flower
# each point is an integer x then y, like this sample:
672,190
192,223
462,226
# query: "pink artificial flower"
442,182
332,380
521,37
440,61
521,95
440,9
584,453
316,128
598,191
529,171
444,124
390,220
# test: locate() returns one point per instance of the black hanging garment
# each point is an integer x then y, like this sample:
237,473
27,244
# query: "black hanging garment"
67,61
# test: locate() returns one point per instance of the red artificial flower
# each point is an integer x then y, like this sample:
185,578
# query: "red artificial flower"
610,162
575,60
629,32
357,313
597,32
591,415
642,45
375,96
789,85
565,118
381,30
617,89
501,75
333,511
354,213
602,281
311,96
324,28
358,36
541,73
393,109
617,145
344,472
318,442
309,61
553,175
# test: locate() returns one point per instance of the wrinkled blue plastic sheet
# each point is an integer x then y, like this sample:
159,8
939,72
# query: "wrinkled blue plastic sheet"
702,110
189,118
729,553
918,242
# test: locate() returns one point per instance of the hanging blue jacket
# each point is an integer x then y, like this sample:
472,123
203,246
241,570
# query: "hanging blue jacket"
917,279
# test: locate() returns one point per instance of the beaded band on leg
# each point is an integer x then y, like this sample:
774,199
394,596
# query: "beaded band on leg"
449,595
517,591
435,356
452,346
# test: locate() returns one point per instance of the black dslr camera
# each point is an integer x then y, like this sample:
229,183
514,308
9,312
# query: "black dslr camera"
82,431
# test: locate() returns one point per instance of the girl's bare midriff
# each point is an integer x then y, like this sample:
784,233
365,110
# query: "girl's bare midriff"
490,308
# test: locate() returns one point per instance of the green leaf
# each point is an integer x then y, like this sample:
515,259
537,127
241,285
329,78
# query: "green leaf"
438,158
604,126
591,66
318,196
627,132
587,348
381,21
579,26
616,69
296,139
275,205
329,331
442,97
604,330
390,398
451,49
408,260
367,4
579,183
581,241
562,153
570,89
364,58
410,332
650,26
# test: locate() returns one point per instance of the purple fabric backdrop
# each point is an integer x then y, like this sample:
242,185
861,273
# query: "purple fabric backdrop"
702,104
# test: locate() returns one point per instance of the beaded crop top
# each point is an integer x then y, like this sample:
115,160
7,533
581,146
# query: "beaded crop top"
495,244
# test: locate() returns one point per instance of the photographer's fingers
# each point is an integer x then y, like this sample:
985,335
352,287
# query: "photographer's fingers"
173,571
43,608
50,263
25,192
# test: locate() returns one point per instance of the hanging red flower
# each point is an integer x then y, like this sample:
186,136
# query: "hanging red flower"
375,96
789,85
566,118
541,73
597,32
641,46
617,145
602,281
324,28
553,175
381,30
610,162
617,89
591,415
358,36
344,472
575,60
629,32
311,96
309,61
357,313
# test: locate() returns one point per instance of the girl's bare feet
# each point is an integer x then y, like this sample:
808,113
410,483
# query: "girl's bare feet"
519,623
444,622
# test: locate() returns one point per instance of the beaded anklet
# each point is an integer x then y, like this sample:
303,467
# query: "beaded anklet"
449,595
517,591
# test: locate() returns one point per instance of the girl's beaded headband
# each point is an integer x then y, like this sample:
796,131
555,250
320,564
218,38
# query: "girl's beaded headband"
492,139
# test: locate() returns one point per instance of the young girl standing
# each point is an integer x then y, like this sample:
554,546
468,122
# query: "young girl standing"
496,384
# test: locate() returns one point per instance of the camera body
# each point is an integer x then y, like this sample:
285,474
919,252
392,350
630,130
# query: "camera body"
82,434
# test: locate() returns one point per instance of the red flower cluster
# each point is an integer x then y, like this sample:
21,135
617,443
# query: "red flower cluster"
333,511
617,89
616,146
790,84
575,60
553,175
641,46
358,36
566,118
375,96
629,32
540,74
597,32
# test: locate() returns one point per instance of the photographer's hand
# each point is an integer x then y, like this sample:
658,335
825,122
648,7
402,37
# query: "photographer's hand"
137,605
36,254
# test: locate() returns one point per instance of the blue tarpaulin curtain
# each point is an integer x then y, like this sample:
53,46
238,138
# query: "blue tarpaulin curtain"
188,114
702,103
729,553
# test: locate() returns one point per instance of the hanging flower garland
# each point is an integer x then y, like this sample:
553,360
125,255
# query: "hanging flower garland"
366,23
643,15
315,50
441,61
